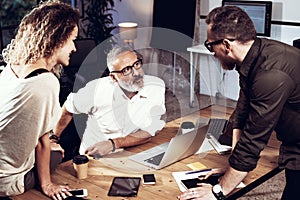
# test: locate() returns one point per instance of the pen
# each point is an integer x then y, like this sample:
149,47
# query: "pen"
198,171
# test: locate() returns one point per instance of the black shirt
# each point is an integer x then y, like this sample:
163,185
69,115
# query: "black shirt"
269,100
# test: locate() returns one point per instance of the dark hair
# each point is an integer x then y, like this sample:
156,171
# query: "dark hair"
231,22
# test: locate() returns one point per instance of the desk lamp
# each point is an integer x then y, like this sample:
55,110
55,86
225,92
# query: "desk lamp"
128,32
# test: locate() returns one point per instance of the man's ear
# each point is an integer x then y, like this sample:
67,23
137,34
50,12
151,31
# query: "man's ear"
112,76
227,45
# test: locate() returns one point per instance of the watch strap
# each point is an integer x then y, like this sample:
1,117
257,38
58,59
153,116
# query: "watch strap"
52,136
219,195
113,145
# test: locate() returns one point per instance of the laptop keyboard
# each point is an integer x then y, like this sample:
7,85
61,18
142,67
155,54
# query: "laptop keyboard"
155,160
216,126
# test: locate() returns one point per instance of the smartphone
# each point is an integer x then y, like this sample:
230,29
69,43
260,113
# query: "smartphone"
149,179
79,192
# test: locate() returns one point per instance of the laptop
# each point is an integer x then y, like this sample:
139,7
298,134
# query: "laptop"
179,147
215,132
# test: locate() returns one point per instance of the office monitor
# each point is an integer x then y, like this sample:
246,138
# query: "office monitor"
259,11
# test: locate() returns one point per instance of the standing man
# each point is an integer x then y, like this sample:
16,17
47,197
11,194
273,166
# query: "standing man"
124,109
269,100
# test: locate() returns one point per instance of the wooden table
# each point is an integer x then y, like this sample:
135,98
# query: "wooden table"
102,171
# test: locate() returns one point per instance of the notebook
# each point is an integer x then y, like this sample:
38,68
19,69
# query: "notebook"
179,147
216,128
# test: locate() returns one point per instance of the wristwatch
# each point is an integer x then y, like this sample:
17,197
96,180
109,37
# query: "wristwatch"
217,191
53,137
113,145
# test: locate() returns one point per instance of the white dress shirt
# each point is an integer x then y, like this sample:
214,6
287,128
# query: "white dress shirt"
112,114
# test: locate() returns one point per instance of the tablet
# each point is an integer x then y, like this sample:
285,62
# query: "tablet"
124,186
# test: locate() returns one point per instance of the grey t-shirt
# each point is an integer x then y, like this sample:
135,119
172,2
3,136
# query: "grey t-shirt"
29,108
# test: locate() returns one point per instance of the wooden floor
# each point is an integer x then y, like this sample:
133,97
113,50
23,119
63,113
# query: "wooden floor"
178,105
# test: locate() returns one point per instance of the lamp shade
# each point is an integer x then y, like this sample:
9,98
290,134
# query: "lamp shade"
128,30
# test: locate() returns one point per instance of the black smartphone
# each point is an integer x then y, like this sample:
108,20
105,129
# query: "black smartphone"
192,183
74,198
149,179
79,192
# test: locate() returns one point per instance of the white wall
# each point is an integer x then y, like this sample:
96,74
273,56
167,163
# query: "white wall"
140,11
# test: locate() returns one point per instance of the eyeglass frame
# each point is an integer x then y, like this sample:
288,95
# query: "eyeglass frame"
130,67
209,45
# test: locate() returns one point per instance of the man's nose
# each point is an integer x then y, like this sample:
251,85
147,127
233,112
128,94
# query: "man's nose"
136,72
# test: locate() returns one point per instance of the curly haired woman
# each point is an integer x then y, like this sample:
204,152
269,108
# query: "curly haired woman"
29,97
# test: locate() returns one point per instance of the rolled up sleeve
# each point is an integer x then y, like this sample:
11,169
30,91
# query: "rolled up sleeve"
269,93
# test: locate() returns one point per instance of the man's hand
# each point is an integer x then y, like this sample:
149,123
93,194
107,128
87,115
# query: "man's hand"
100,148
56,192
203,191
215,171
57,147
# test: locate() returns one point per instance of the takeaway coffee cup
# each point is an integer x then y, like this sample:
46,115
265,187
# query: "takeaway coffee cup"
80,163
187,127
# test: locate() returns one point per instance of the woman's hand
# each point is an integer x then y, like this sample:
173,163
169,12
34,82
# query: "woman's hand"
56,192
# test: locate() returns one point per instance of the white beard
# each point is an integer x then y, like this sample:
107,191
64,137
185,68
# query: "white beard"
131,86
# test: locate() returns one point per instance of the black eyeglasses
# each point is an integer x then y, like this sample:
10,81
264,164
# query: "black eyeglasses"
209,45
128,70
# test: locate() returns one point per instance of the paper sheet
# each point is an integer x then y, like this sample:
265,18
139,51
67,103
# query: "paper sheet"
196,166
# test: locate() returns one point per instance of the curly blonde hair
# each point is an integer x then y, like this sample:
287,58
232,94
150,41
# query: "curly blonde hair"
41,32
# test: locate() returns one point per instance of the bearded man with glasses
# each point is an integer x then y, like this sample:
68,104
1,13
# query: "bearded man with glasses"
269,100
124,109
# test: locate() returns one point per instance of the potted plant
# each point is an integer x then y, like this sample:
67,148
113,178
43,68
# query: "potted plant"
98,22
11,13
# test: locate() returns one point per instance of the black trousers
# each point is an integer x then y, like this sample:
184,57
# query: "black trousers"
291,190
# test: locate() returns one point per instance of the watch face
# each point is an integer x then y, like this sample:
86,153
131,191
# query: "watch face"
217,188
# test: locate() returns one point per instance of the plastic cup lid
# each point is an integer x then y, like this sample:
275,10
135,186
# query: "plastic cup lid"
187,125
80,159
